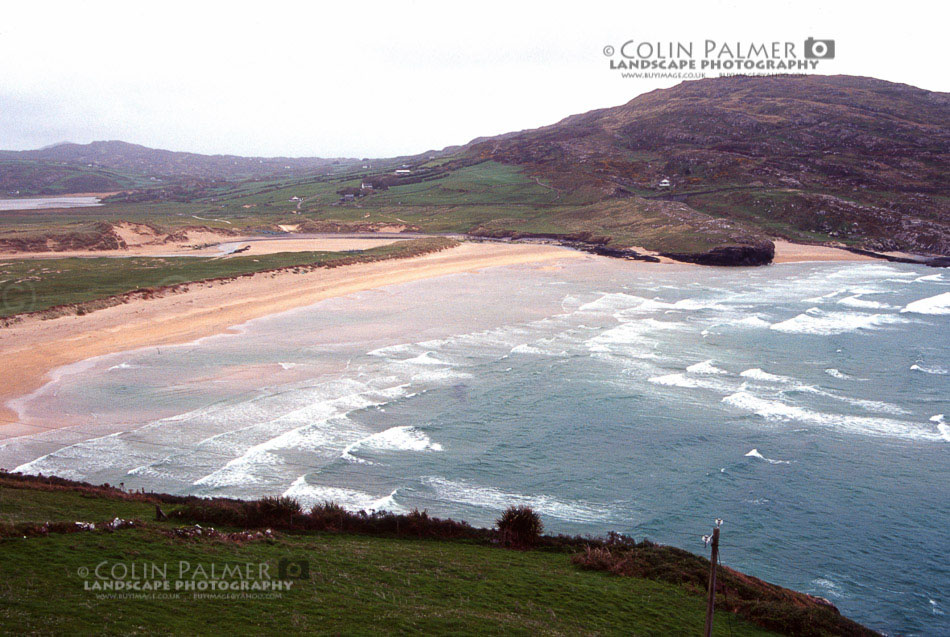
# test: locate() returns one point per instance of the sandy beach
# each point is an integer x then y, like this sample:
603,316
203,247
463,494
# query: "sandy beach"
35,347
788,252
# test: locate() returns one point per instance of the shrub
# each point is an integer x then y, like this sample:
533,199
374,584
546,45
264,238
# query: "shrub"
271,511
519,527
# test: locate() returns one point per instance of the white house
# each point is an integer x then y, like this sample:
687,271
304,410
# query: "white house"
664,183
403,171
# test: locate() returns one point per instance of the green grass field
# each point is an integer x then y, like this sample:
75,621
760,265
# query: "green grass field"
491,196
355,584
32,285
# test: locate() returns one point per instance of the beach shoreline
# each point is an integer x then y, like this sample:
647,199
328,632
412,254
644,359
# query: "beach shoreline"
35,348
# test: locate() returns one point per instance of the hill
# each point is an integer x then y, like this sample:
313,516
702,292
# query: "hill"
142,160
849,159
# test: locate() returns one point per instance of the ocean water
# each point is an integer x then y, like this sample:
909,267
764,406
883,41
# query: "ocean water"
805,404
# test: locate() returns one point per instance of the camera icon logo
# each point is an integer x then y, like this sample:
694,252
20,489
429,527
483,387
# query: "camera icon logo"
819,49
293,569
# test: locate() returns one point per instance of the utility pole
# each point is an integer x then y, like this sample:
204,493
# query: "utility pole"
711,602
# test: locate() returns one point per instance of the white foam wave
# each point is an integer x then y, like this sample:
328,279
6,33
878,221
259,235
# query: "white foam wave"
939,304
403,438
930,277
753,321
706,367
820,323
687,382
524,348
121,366
621,304
930,369
869,405
941,426
857,301
834,373
761,375
755,454
426,358
438,375
319,428
869,270
689,305
634,333
774,410
828,587
611,302
495,499
309,495
77,460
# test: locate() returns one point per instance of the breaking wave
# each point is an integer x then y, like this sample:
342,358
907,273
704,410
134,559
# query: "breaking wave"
834,373
706,367
761,375
778,411
755,454
820,323
497,500
857,301
403,438
310,495
930,369
939,304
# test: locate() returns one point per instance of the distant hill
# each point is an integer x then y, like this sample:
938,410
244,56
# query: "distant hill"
141,160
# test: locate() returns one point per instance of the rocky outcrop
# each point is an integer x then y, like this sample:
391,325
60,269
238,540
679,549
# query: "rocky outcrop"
760,254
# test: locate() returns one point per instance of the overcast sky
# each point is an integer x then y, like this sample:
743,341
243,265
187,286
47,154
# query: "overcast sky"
386,78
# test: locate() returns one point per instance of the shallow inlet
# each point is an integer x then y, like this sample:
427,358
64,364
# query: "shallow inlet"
41,203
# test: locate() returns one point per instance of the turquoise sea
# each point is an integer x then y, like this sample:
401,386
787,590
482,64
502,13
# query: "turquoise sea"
804,404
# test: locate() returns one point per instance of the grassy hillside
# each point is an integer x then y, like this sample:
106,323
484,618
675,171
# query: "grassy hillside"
836,158
351,582
26,177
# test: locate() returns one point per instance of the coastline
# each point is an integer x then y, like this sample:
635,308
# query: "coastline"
36,347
